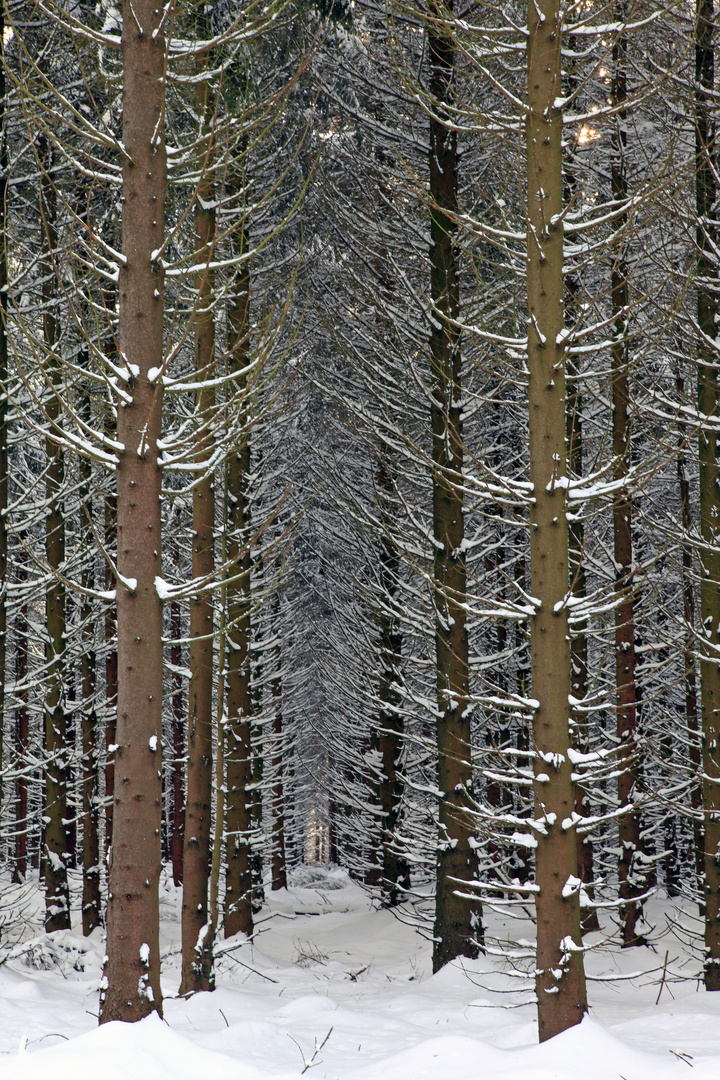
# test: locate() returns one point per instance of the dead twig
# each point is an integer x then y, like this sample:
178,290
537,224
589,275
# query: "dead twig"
309,1063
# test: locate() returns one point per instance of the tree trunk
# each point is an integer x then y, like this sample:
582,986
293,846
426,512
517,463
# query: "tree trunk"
576,554
197,946
133,965
631,881
57,894
4,479
91,904
706,192
458,929
279,867
689,655
22,731
258,773
238,877
560,981
178,743
111,668
390,722
578,641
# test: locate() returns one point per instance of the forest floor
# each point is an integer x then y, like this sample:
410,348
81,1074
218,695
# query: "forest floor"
335,989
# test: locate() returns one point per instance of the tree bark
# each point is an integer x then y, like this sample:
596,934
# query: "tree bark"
706,193
197,945
133,964
111,667
390,723
689,654
576,553
4,463
238,877
22,731
578,641
178,743
631,880
55,847
458,928
279,866
91,904
560,981
258,773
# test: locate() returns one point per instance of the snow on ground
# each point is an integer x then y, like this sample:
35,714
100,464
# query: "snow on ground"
337,990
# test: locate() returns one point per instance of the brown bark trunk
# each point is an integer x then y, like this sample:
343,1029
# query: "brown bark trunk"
197,945
560,981
458,928
630,877
238,877
708,452
178,743
133,964
55,847
91,904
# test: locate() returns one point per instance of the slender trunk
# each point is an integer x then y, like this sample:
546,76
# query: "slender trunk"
111,670
57,895
560,980
72,812
392,865
110,620
706,193
257,840
371,858
524,857
133,964
578,641
91,904
4,479
631,883
390,721
576,554
279,868
178,744
257,740
496,721
689,655
217,850
333,847
458,928
238,877
197,957
22,731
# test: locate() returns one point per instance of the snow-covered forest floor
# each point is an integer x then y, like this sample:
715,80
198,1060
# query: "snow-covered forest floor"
327,968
